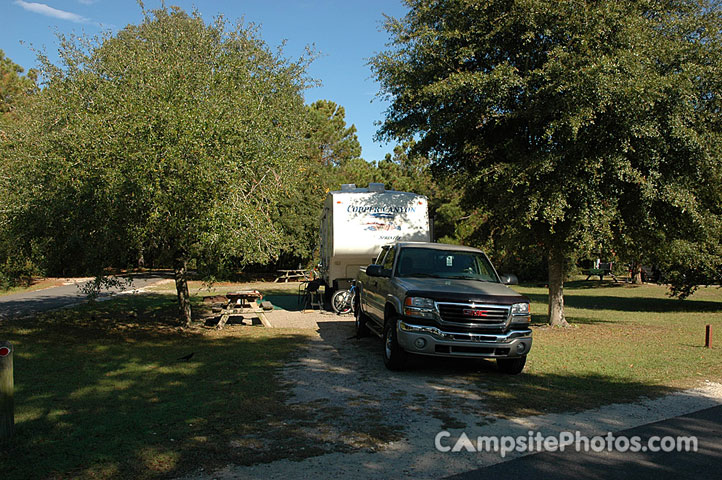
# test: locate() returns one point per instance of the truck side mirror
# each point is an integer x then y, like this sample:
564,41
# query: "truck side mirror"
374,270
509,279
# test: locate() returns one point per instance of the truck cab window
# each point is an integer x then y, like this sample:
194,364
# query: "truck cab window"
388,261
379,260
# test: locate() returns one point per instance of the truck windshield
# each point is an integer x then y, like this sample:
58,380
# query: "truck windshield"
431,262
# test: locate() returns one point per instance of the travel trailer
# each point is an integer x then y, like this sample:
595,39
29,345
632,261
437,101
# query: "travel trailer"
357,222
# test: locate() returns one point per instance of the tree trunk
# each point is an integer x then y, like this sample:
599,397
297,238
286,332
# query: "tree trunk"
636,273
181,287
556,289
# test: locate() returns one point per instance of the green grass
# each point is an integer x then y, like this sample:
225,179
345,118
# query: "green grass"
625,342
99,391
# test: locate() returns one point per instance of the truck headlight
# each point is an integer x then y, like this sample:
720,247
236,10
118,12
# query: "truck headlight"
520,313
419,307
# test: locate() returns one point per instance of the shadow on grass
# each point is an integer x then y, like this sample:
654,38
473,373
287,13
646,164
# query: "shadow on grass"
538,320
101,392
538,393
631,304
594,284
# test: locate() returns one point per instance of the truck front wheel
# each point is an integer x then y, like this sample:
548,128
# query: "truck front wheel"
361,329
394,355
511,366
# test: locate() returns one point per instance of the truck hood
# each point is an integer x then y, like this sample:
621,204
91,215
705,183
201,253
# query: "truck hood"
464,291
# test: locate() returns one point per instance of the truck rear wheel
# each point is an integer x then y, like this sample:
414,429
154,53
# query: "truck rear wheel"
512,366
394,355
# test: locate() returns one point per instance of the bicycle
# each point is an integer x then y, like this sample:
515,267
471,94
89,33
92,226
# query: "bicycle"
342,301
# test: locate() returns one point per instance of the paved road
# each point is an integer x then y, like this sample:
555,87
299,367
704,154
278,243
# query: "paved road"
704,464
21,304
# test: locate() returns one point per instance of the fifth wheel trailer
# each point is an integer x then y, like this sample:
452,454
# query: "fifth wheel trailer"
357,222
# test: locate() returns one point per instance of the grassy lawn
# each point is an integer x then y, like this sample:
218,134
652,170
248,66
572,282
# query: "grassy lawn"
100,392
625,342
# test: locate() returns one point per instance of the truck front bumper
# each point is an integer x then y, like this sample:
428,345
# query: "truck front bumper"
428,340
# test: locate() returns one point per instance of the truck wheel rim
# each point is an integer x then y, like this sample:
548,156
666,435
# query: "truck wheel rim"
388,344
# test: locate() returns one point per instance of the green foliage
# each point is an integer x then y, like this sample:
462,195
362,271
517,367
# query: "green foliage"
328,146
15,265
332,157
565,119
13,86
173,139
328,140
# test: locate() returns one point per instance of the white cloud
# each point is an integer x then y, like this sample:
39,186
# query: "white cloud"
49,11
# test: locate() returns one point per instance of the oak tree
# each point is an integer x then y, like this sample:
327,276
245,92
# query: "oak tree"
173,139
564,117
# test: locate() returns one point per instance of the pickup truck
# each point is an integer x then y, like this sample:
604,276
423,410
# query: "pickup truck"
441,300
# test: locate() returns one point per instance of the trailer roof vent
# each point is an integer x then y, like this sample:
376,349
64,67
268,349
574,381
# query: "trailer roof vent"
376,187
348,187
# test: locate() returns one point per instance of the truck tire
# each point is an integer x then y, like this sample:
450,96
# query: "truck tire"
361,319
394,355
512,366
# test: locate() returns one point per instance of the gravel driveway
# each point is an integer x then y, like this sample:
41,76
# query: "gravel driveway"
360,420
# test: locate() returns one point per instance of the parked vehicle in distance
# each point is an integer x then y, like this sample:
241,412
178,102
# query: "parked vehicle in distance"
442,300
357,222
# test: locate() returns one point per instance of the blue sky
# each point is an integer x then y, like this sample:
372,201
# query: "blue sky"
345,33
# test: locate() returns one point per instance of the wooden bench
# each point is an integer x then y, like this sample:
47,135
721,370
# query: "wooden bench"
286,275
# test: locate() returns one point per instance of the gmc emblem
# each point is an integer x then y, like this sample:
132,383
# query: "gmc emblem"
475,313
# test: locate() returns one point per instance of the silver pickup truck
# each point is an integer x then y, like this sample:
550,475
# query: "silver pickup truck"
442,300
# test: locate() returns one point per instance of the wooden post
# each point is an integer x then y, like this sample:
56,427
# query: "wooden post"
708,336
7,405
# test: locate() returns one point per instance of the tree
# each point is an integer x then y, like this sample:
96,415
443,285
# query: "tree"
14,90
406,171
328,140
560,112
14,86
173,139
328,145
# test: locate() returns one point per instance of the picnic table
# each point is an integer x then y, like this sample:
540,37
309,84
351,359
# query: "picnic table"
242,303
295,274
602,270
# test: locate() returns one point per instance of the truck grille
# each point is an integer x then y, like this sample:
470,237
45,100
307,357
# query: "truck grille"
476,315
